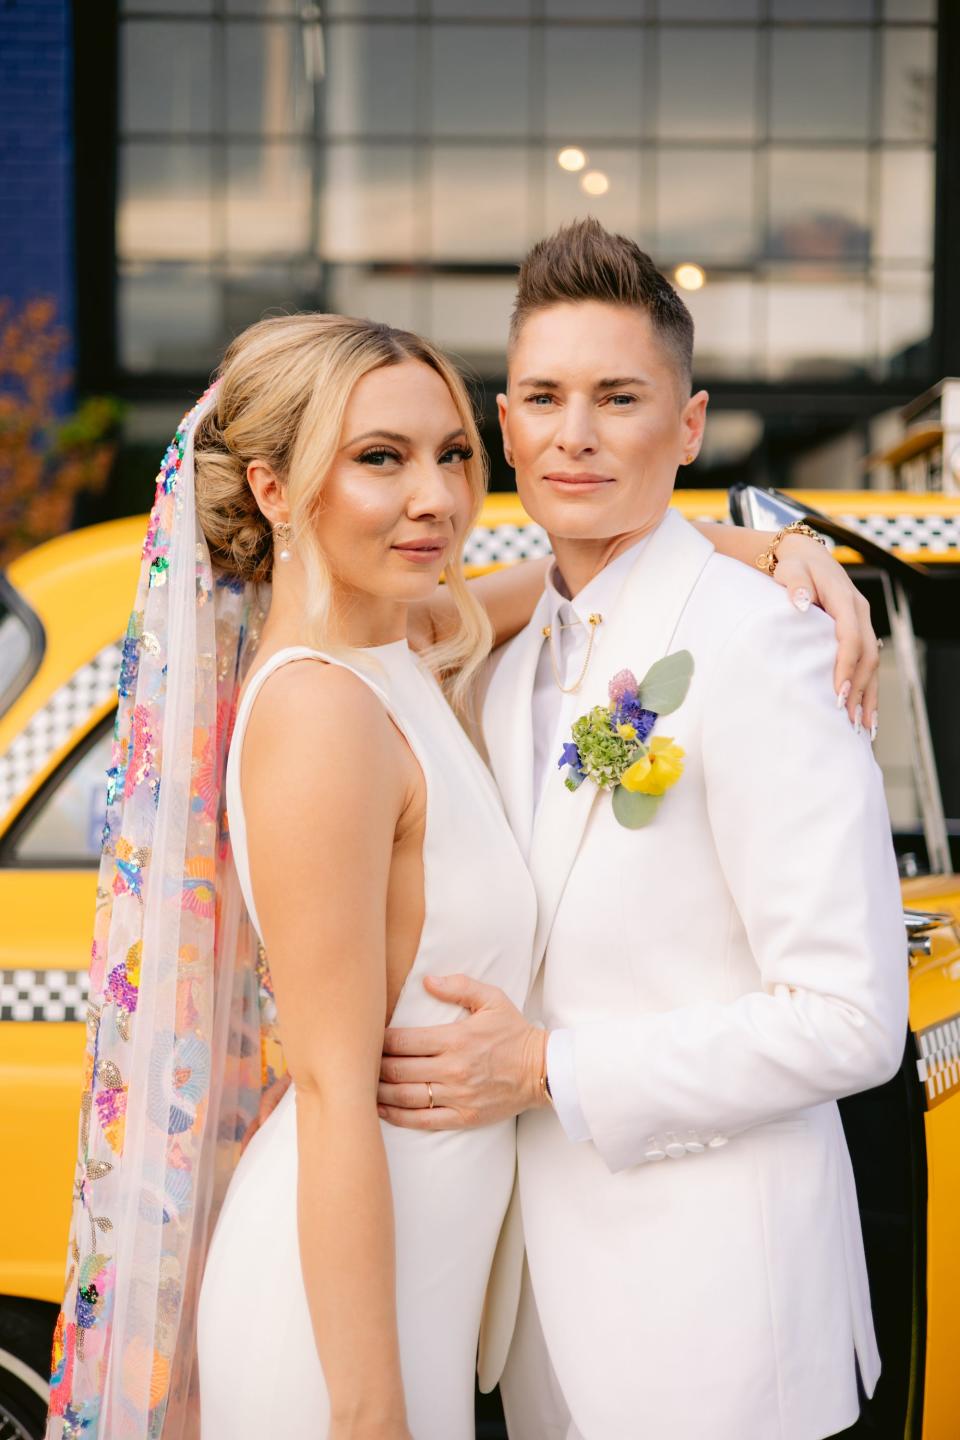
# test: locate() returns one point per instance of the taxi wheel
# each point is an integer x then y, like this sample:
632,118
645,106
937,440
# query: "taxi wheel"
26,1332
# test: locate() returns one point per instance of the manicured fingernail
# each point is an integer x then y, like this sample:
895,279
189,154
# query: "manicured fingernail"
843,694
858,720
802,599
875,725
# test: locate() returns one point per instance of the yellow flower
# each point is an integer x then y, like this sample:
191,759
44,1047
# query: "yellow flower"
627,732
655,772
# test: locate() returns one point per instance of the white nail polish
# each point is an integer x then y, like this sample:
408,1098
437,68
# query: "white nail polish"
843,694
858,720
802,600
875,725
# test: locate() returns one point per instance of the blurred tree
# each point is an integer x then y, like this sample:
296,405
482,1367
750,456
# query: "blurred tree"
48,454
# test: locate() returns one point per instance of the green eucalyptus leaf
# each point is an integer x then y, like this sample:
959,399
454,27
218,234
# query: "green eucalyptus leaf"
634,810
665,685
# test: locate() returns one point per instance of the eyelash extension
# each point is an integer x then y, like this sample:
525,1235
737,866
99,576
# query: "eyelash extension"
464,451
378,454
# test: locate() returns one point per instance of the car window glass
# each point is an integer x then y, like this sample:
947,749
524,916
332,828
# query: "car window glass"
20,645
66,827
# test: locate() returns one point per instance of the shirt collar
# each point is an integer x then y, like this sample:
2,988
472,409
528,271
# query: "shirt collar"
601,593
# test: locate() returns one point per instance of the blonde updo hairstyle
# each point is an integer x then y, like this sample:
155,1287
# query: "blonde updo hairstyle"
284,387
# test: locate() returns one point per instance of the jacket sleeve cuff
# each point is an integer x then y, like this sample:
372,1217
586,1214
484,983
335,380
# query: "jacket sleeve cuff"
562,1079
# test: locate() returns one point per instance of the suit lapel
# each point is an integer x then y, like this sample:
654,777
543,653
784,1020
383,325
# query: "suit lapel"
508,724
638,633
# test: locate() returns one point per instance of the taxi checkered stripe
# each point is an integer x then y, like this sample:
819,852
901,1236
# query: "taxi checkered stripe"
939,1064
44,994
51,727
938,534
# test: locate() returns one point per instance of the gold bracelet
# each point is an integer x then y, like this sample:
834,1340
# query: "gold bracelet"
767,562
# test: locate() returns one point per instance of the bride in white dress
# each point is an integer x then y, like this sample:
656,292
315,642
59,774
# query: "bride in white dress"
340,1296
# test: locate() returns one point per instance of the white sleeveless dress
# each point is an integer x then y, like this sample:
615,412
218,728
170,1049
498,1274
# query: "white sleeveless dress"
260,1374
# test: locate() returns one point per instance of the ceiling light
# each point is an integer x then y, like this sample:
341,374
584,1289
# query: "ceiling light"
595,182
571,158
690,277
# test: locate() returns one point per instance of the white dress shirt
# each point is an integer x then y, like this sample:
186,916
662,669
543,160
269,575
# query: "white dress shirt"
553,715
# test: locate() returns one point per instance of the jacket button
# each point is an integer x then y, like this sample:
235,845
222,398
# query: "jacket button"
655,1151
675,1150
717,1142
694,1146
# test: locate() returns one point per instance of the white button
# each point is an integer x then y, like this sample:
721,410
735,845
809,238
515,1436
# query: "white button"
655,1153
694,1147
717,1142
675,1150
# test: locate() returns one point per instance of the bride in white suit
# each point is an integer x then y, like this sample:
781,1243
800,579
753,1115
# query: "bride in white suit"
719,951
343,1286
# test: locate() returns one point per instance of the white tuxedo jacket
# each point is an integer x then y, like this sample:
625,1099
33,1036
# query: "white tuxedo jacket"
728,972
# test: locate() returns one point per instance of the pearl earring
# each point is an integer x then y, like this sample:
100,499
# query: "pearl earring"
283,534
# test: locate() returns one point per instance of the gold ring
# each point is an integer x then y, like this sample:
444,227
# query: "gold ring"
430,1094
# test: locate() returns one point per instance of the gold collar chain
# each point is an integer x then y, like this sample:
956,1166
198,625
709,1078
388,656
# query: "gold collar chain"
547,632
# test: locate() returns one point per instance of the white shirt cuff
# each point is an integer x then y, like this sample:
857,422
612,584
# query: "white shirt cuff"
562,1078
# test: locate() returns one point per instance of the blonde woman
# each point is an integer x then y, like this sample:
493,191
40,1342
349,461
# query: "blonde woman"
341,1292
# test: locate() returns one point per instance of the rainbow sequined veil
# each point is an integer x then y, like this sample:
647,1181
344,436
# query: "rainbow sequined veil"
181,1050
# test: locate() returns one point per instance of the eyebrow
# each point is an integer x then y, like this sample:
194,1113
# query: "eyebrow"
605,384
400,439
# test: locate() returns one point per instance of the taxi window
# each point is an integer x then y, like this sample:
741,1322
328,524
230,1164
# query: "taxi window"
21,644
64,826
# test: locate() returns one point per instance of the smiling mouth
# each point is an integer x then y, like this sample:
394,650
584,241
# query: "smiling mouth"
579,481
422,549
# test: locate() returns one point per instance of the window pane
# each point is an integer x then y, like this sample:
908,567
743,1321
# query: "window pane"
267,90
471,316
707,84
479,79
905,231
910,9
820,84
165,205
372,80
618,208
909,84
479,203
818,205
816,329
904,320
594,83
175,7
249,290
169,318
597,10
705,206
69,824
482,9
723,314
715,10
369,204
332,7
268,199
823,9
399,300
158,95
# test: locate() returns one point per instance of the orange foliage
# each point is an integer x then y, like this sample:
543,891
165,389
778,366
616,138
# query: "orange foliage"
47,457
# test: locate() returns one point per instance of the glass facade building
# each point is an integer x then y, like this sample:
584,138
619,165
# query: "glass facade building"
395,158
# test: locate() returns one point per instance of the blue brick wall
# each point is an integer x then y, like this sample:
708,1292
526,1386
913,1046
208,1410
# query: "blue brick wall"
36,153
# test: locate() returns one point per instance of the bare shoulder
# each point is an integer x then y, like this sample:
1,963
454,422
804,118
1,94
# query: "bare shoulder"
316,726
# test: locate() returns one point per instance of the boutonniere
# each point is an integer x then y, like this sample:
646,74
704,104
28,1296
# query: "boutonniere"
613,746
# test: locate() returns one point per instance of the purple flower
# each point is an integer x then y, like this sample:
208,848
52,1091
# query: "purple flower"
629,711
570,756
623,685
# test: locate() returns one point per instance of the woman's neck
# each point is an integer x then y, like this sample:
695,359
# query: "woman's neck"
358,620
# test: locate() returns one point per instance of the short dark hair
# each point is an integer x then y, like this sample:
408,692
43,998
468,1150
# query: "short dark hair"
583,261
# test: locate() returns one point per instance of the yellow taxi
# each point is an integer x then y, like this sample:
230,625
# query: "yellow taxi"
63,611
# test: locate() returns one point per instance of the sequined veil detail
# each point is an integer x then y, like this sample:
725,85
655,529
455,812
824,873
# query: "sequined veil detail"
181,1050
